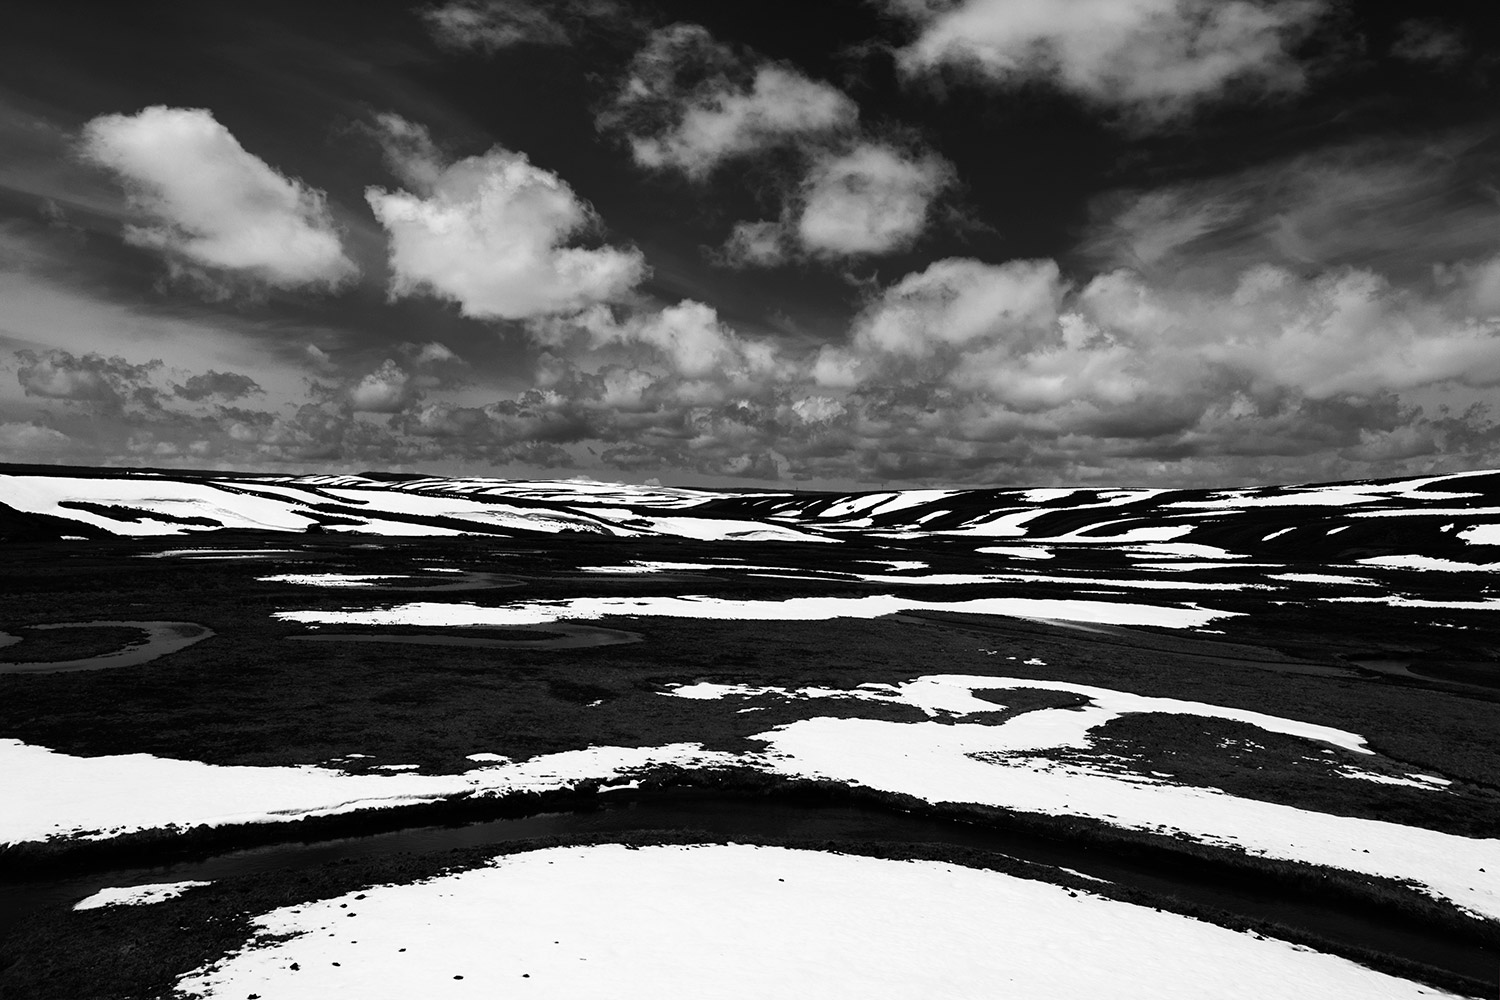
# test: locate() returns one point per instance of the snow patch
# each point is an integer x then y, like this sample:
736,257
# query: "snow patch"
136,895
606,920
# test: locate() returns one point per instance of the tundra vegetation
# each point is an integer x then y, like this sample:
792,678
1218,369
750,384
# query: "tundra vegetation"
1286,694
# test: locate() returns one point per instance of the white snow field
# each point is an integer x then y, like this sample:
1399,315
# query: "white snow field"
49,794
167,505
958,757
738,921
136,895
435,613
987,764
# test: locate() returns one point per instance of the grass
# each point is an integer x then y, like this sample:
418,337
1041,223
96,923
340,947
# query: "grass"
46,645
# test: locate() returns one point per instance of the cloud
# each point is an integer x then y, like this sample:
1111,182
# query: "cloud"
1399,206
1157,58
955,302
226,385
212,204
90,378
1424,41
1025,338
387,389
33,440
690,337
872,199
692,104
755,244
492,233
491,25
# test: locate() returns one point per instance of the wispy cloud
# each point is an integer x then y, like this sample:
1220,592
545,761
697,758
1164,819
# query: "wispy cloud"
208,203
492,25
1399,206
1428,41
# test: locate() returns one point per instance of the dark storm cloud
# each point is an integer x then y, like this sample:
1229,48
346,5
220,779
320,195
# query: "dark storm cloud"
89,378
225,385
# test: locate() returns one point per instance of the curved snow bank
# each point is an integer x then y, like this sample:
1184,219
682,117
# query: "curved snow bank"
791,609
49,794
738,921
998,765
953,694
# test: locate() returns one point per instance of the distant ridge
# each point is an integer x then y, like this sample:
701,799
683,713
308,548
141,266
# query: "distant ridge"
1454,516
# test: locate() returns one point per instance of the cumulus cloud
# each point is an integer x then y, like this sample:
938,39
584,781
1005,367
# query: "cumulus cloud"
1029,339
494,234
90,378
687,341
387,389
225,385
1155,57
33,440
870,199
212,204
692,104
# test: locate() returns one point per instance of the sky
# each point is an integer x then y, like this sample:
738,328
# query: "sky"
811,245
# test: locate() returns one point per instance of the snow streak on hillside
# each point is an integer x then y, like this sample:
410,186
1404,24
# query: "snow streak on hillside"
1454,516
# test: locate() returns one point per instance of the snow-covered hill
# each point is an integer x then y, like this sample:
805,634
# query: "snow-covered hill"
1452,518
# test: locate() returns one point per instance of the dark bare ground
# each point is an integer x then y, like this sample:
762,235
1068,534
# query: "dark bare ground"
248,696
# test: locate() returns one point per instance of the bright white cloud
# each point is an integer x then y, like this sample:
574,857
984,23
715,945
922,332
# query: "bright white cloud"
1019,337
737,105
1158,57
492,233
871,199
855,195
690,338
720,125
212,204
385,390
955,302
